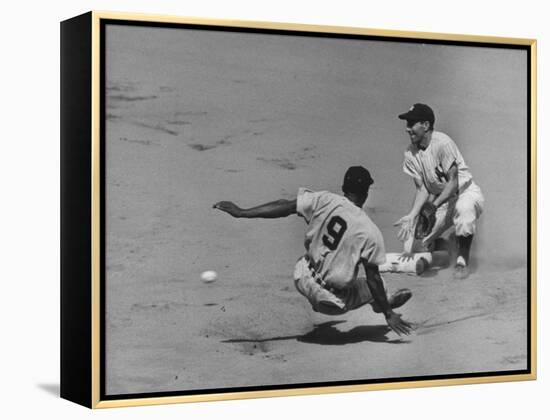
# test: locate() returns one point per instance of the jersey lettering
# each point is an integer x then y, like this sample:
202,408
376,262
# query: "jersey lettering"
336,227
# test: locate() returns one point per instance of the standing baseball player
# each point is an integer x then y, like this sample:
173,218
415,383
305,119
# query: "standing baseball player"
339,239
444,185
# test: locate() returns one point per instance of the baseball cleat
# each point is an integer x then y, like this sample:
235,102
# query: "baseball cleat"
421,266
396,300
399,298
461,272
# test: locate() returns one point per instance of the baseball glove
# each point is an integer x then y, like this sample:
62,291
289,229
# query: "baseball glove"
426,220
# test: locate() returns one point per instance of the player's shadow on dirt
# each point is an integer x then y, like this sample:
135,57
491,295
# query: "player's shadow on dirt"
327,334
430,273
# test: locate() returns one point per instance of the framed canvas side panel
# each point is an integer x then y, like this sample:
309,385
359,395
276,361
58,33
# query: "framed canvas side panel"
532,188
76,292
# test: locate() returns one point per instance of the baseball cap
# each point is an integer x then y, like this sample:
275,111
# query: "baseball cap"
418,112
357,179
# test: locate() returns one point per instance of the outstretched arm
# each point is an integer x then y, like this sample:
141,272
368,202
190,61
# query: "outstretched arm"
374,281
271,210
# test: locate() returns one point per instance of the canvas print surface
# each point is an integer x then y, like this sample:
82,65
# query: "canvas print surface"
195,117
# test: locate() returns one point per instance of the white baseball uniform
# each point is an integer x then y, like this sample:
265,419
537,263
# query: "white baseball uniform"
339,236
431,167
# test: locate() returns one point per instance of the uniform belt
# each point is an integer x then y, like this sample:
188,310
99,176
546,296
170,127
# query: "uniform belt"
462,188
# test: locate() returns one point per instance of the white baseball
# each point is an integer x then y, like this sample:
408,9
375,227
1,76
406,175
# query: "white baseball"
209,276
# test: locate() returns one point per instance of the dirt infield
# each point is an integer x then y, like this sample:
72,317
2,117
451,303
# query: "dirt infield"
214,116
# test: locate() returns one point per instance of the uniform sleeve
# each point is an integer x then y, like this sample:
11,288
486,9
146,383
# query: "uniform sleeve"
410,168
448,154
307,203
374,251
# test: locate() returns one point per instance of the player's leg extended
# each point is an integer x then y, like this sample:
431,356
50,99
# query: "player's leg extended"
321,299
467,210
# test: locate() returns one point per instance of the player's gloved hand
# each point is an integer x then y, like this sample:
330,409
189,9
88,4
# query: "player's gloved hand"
406,224
229,207
426,220
397,324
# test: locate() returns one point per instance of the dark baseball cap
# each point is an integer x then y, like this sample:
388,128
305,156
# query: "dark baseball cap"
418,112
357,179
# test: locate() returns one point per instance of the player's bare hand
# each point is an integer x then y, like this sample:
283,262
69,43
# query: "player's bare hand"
406,225
397,324
228,207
